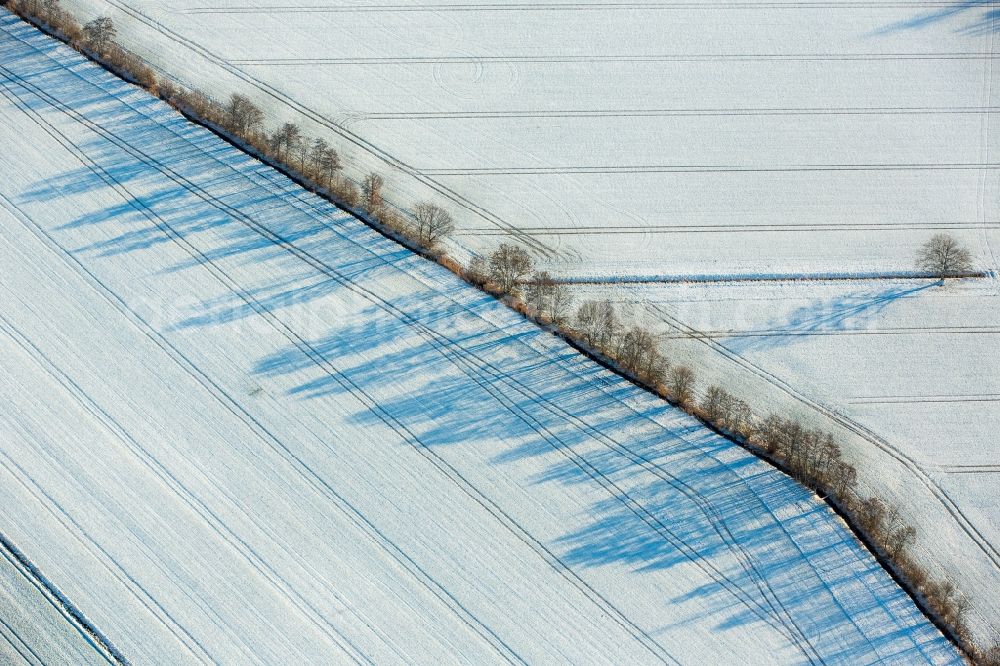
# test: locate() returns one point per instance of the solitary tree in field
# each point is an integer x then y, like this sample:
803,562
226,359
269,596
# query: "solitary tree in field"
371,192
943,256
242,116
509,264
100,33
433,223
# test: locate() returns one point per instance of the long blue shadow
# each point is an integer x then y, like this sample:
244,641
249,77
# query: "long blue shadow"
845,312
983,19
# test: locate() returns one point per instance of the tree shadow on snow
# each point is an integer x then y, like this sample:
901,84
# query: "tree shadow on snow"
666,496
979,17
406,350
855,311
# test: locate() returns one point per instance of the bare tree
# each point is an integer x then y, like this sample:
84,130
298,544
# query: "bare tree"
371,192
770,433
598,323
944,256
871,514
302,150
538,292
740,417
347,192
286,140
48,9
434,224
509,264
681,384
100,33
242,116
478,271
325,161
948,601
560,302
794,441
843,478
587,321
899,541
714,404
547,297
639,351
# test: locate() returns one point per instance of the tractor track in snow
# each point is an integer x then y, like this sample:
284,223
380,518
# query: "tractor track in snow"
543,435
149,460
63,605
466,486
302,468
346,134
853,426
224,204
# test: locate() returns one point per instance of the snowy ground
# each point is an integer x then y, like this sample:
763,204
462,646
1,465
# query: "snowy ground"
34,629
241,427
661,139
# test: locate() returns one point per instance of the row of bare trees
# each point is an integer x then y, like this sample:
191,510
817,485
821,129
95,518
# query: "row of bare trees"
509,272
96,38
812,456
427,226
313,159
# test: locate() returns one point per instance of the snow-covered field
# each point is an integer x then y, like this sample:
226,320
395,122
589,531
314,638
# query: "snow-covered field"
651,139
238,426
34,629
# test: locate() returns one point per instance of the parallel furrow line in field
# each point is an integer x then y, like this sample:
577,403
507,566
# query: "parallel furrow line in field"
566,6
18,644
703,168
273,442
190,499
536,114
980,541
62,605
778,333
546,59
733,229
355,139
107,561
916,399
